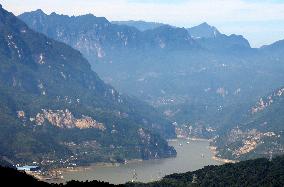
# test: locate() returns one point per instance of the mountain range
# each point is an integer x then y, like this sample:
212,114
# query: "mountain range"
56,111
55,108
197,77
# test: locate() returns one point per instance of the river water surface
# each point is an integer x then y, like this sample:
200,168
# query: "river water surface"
191,155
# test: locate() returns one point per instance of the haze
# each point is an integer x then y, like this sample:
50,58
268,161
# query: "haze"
261,22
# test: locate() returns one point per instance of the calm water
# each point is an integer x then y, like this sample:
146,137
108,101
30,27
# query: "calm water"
189,158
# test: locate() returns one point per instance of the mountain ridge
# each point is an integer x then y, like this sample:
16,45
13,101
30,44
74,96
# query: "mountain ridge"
205,83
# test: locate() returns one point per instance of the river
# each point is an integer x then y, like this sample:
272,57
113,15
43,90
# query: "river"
191,155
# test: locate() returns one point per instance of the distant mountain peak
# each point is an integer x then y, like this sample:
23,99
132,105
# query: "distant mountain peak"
205,24
204,30
39,12
54,14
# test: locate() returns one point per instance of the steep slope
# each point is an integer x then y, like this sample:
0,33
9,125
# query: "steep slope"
259,134
53,106
190,80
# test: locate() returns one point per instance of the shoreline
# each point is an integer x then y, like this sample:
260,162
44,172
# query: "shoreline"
109,164
63,170
56,175
213,149
199,139
189,138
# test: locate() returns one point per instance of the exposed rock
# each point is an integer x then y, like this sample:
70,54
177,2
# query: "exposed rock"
65,119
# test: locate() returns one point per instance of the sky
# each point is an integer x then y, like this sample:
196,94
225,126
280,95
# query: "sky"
260,21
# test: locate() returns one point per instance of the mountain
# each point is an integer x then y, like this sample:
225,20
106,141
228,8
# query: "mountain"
261,132
206,84
140,25
55,109
204,31
274,50
206,35
159,65
97,38
210,38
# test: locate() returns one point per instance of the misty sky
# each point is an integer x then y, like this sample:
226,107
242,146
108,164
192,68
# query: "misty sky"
260,21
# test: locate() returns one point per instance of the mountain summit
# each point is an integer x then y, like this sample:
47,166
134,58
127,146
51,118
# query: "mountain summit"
204,31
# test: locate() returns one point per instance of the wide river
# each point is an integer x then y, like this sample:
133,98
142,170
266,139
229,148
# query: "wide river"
191,155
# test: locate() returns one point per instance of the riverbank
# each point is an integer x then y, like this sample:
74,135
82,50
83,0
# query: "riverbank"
192,154
56,175
214,151
218,159
100,164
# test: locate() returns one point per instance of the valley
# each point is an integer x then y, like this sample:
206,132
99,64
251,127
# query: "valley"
203,81
137,103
